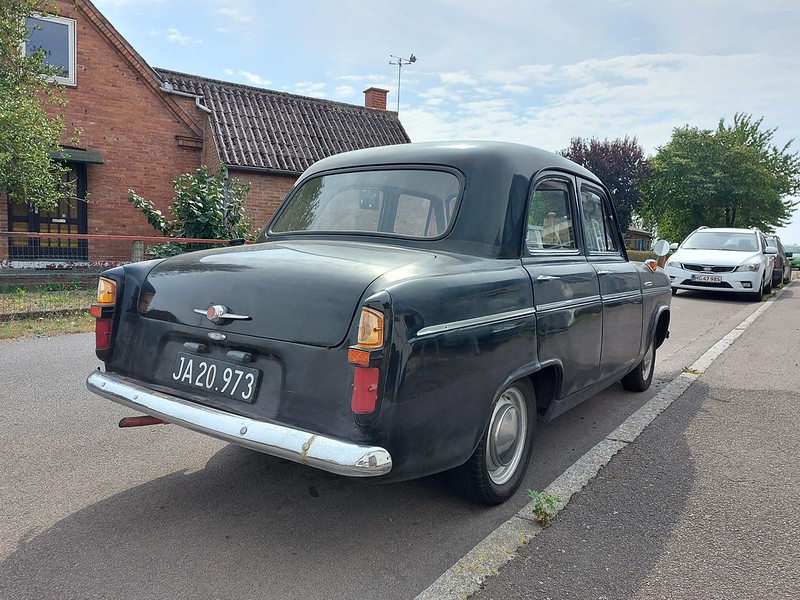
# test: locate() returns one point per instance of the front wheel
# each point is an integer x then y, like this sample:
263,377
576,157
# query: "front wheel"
759,295
496,468
641,377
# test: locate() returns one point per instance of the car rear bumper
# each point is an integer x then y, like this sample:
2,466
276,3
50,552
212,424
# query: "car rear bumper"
329,454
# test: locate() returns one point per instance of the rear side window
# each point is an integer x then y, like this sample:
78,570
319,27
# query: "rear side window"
550,218
598,232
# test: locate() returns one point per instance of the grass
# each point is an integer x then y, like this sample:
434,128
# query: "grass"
46,326
45,311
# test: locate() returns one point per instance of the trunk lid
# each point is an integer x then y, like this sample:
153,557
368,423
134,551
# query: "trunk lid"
304,291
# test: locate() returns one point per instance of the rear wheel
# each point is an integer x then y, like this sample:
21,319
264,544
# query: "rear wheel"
496,468
641,377
768,287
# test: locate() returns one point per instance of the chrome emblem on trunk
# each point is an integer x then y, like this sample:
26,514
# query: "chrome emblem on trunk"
217,313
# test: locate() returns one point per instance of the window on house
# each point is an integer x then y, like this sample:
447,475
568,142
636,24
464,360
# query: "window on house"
55,37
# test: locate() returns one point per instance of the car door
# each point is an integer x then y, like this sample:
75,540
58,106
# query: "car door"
565,287
620,285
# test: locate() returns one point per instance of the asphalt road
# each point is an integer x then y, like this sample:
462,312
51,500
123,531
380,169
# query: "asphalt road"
91,511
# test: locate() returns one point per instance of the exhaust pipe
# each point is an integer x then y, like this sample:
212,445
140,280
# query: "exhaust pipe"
140,421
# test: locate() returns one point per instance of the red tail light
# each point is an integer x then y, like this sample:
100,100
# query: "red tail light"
103,312
102,333
365,390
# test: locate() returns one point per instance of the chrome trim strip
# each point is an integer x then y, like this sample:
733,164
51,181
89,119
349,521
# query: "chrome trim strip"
477,321
326,453
632,295
570,304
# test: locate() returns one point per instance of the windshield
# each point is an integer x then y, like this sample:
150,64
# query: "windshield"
720,240
399,202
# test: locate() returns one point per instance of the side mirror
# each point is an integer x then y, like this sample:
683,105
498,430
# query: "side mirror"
673,246
661,247
770,250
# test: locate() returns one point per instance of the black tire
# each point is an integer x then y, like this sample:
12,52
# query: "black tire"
786,280
496,468
759,295
641,377
674,291
768,287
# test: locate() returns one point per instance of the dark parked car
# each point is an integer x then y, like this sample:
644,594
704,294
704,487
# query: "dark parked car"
782,264
408,310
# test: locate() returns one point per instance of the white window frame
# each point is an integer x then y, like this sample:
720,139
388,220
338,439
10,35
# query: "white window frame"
71,78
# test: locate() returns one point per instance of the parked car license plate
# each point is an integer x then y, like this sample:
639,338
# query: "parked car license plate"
216,376
707,278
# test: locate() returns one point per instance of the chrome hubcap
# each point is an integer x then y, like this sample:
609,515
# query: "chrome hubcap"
506,438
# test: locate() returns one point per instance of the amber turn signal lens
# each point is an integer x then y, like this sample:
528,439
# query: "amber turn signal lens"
106,292
358,357
651,264
370,328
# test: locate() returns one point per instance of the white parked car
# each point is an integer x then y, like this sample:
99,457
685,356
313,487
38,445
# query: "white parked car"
723,260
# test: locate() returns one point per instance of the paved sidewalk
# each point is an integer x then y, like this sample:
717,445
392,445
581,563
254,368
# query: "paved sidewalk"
705,503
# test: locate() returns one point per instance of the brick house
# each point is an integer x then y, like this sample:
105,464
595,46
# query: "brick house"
142,127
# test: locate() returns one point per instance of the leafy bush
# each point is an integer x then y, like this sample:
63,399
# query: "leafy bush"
206,206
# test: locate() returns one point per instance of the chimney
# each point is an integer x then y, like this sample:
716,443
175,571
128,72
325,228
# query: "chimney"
375,98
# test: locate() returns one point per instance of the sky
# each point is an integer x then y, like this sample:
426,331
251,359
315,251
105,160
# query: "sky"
538,72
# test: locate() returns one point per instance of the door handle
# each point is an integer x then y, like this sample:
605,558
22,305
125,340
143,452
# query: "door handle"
604,272
547,277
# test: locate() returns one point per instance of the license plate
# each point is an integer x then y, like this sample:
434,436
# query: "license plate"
216,376
707,278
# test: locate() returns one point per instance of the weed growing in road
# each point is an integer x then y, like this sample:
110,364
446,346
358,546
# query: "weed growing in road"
544,507
690,371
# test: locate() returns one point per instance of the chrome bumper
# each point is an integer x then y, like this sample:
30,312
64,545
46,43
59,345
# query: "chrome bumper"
329,454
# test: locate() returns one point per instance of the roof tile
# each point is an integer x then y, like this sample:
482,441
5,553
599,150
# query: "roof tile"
260,128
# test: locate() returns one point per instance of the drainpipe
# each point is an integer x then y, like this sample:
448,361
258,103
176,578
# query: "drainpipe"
166,86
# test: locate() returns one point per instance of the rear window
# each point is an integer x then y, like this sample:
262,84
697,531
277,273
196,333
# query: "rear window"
411,203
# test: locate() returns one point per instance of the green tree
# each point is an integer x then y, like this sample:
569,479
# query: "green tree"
28,135
620,164
734,176
206,206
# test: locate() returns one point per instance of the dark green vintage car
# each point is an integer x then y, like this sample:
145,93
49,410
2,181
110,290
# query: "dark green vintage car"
408,310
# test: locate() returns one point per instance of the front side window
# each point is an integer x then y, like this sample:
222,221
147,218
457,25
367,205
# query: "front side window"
597,224
54,37
411,203
550,221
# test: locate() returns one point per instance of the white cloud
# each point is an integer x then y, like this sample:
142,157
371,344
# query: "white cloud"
175,36
310,88
253,79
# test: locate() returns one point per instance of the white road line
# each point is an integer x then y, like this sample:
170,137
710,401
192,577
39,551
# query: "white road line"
499,547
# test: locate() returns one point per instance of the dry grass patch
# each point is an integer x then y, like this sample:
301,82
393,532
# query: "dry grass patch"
46,326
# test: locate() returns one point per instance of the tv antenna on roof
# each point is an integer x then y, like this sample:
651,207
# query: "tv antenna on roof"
399,61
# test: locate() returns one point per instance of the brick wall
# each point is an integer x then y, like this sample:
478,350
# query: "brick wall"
266,194
144,136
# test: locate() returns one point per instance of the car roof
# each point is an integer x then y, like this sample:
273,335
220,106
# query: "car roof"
497,179
727,230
